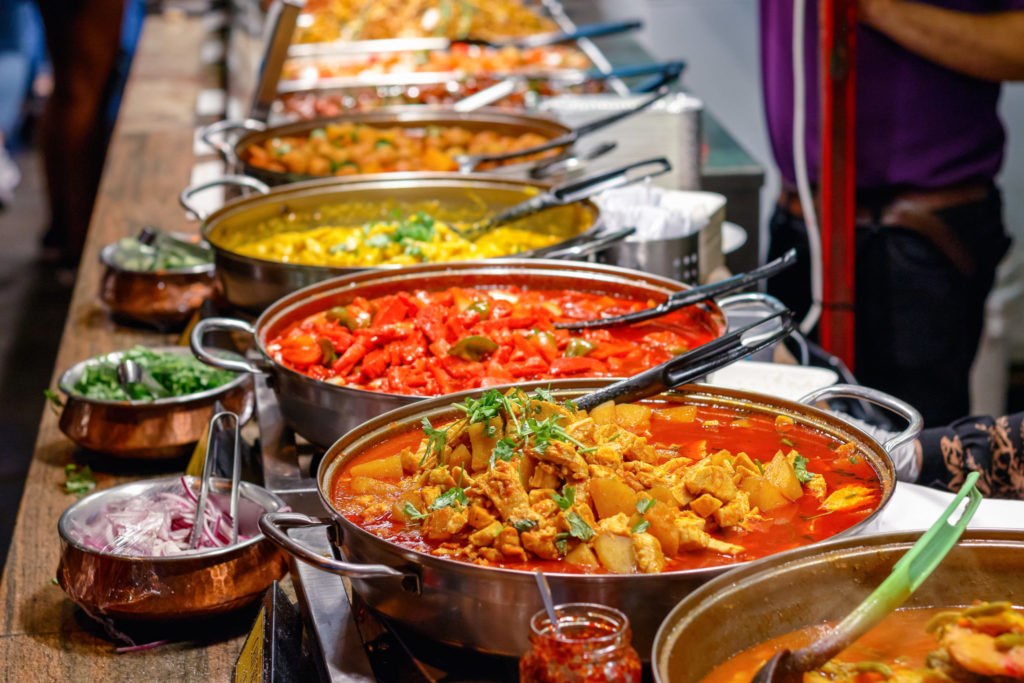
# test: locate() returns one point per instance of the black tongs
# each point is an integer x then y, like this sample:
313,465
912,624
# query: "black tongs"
690,296
695,364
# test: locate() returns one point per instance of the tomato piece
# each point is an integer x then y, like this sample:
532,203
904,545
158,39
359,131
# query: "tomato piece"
444,382
375,363
391,311
302,355
569,365
352,355
430,320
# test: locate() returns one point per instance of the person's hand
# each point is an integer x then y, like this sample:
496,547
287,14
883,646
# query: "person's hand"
869,11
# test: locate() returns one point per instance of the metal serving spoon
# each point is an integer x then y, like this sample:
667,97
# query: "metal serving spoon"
788,666
690,296
469,162
696,363
569,193
129,372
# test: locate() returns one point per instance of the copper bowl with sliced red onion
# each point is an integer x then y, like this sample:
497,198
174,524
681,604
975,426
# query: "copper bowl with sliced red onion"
125,550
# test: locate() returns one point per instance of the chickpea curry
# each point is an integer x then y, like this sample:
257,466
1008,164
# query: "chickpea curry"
982,642
522,481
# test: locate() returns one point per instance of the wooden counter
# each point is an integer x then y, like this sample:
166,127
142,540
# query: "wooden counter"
43,636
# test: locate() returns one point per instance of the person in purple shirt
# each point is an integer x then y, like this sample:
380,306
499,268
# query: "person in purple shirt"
929,217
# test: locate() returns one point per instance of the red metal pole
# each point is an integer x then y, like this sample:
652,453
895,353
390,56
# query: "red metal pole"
838,202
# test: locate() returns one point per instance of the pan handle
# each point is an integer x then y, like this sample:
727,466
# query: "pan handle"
241,180
879,398
591,247
275,526
195,342
220,143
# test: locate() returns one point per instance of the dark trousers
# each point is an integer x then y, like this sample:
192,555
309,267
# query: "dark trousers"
918,316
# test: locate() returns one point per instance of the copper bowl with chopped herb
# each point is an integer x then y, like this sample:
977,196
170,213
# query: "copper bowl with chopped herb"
99,416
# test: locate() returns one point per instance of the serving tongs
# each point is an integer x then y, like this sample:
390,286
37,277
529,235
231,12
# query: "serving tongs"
361,47
789,666
469,162
216,424
688,297
568,193
696,363
154,237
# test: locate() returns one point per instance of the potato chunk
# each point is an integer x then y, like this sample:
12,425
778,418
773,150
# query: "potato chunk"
633,416
612,496
383,468
616,553
781,473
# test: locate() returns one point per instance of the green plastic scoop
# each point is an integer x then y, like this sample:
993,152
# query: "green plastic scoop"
788,666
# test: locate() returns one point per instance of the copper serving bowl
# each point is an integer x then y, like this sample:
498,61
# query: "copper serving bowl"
194,584
162,299
162,428
820,583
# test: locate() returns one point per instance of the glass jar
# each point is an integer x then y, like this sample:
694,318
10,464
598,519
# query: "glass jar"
591,643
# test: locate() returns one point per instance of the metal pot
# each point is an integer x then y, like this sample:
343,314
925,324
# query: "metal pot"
487,608
761,600
196,584
162,428
321,411
253,284
252,132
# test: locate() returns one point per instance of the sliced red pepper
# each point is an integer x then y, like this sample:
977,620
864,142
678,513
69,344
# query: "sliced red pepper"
444,382
511,322
348,360
531,366
572,365
392,310
430,319
375,363
302,355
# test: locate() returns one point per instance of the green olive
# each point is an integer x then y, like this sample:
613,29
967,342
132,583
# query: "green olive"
473,348
578,346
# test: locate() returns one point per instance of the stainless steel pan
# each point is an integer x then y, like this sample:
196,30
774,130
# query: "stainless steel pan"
813,585
487,608
321,412
252,284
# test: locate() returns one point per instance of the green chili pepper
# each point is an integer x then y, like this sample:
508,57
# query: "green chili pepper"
482,307
383,142
578,346
474,348
341,315
327,349
1008,641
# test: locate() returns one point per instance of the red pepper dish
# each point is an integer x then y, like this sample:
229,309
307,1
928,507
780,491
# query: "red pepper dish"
425,343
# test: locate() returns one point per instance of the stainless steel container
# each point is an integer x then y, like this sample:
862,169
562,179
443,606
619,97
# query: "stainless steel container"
253,284
195,584
488,608
813,585
322,412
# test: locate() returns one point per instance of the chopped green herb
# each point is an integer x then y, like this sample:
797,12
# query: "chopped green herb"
562,542
383,142
78,481
640,527
378,241
54,581
787,442
318,133
482,409
522,525
800,467
645,504
853,459
578,528
419,227
53,400
454,497
760,467
410,511
542,394
503,450
614,436
567,498
436,439
179,374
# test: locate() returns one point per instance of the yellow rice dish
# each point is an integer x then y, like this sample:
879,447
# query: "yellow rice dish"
408,241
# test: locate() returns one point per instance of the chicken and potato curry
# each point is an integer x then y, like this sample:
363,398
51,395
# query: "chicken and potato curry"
525,482
983,642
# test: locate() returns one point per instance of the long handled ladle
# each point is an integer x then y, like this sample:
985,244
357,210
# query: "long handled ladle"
569,193
788,666
690,296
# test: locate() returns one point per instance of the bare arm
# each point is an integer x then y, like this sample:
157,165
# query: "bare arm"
989,46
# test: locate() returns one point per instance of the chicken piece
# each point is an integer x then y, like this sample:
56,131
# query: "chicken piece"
509,545
545,476
636,448
690,529
429,495
723,547
479,517
440,476
849,498
602,472
564,456
541,542
490,554
816,487
734,512
705,505
374,510
486,535
583,430
410,460
649,557
681,494
606,455
537,495
643,473
616,524
545,508
442,524
585,512
711,479
502,486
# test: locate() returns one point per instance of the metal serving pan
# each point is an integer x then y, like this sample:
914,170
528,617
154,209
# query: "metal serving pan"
321,411
761,600
252,284
488,608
